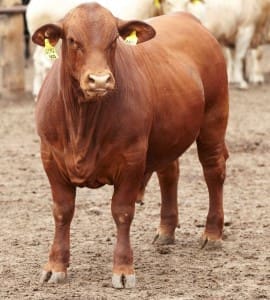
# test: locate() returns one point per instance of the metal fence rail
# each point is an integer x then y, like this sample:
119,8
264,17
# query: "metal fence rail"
17,9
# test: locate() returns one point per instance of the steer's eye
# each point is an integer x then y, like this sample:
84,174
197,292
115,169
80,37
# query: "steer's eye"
113,44
73,44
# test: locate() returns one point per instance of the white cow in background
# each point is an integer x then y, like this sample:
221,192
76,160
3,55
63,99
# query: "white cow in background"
41,12
233,23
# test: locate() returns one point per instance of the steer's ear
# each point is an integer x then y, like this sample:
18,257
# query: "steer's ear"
144,31
52,32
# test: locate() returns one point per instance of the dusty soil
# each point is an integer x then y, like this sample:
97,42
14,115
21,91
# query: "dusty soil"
239,268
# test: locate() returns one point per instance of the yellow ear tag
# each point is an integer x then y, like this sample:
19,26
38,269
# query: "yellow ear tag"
132,39
50,50
157,4
195,1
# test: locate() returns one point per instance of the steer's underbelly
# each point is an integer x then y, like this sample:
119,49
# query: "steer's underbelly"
170,148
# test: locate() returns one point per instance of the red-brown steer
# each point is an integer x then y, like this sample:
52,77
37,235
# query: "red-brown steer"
113,113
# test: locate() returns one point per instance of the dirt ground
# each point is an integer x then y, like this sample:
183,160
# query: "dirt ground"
239,268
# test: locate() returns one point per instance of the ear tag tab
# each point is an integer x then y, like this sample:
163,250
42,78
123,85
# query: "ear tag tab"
50,51
157,4
132,39
195,1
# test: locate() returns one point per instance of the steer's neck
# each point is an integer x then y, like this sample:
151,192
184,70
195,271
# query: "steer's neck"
81,117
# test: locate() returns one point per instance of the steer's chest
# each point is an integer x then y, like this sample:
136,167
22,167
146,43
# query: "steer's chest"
82,151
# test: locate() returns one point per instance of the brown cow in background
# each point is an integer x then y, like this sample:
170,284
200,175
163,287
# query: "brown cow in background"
113,113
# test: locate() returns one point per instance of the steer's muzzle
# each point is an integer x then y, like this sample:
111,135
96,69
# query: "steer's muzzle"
97,84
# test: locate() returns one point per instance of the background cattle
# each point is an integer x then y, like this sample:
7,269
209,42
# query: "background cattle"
238,23
241,34
41,12
113,113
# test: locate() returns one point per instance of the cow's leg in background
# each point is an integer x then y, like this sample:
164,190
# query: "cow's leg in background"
253,70
229,62
213,153
242,43
63,194
168,181
123,208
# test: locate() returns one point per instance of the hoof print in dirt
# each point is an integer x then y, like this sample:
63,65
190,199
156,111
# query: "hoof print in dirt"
163,249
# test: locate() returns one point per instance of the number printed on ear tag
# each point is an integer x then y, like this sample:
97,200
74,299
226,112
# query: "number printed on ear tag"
50,50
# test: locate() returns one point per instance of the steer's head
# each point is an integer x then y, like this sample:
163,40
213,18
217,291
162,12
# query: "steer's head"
90,36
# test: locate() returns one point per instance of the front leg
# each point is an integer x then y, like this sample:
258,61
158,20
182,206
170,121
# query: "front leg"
55,271
123,208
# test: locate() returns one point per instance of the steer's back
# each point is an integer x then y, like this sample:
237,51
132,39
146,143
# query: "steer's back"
190,43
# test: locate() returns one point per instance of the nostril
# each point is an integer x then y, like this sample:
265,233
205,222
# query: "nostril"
108,80
91,79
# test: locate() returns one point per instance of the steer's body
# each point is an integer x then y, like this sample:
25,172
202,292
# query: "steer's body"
163,95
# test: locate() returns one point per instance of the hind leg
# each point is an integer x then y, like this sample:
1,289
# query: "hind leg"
168,181
140,196
214,168
213,153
